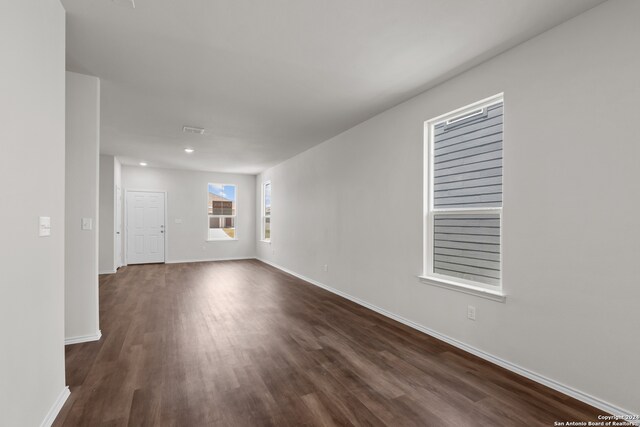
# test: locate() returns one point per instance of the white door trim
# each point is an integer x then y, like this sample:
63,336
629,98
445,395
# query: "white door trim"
118,254
126,220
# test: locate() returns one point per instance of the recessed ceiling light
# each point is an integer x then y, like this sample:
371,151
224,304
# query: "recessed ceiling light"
193,129
143,163
189,150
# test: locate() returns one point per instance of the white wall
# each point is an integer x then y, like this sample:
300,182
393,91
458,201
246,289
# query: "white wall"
81,246
107,215
32,138
187,201
572,180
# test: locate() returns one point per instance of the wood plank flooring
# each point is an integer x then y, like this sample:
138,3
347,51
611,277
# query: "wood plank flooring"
239,343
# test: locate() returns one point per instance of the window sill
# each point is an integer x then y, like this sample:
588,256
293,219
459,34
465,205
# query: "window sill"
265,241
221,240
464,288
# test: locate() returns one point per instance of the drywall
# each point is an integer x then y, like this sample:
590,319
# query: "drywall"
107,261
32,137
571,185
81,201
187,204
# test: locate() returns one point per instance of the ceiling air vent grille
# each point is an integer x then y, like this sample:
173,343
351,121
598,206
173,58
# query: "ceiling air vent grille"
127,3
192,129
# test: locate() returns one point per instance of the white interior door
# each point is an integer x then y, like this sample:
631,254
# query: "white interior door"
118,237
145,227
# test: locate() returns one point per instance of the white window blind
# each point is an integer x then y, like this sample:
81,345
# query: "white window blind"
464,203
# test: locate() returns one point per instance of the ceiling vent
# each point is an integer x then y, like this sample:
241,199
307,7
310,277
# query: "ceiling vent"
192,129
128,3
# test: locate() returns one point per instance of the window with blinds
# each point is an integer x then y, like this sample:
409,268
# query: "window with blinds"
464,206
266,211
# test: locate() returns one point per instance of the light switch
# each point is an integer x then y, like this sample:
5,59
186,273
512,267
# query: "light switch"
87,223
178,220
45,226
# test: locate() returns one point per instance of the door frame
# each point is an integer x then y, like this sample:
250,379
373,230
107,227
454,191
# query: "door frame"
126,220
118,261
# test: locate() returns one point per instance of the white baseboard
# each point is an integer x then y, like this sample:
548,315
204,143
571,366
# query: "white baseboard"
83,338
183,261
107,272
55,409
569,391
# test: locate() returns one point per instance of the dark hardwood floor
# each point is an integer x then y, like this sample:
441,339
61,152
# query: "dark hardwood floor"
240,343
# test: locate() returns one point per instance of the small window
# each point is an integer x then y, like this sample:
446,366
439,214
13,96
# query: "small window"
266,211
222,211
464,196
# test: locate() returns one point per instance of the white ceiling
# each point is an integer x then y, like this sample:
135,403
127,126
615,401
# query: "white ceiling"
270,79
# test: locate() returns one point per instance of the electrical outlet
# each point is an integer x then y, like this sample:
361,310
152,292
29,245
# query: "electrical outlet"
86,224
44,227
325,267
471,312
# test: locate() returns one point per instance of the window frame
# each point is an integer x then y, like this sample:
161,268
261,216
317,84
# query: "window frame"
234,216
494,292
264,215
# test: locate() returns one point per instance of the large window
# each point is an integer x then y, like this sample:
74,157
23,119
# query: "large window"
266,211
222,210
464,196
